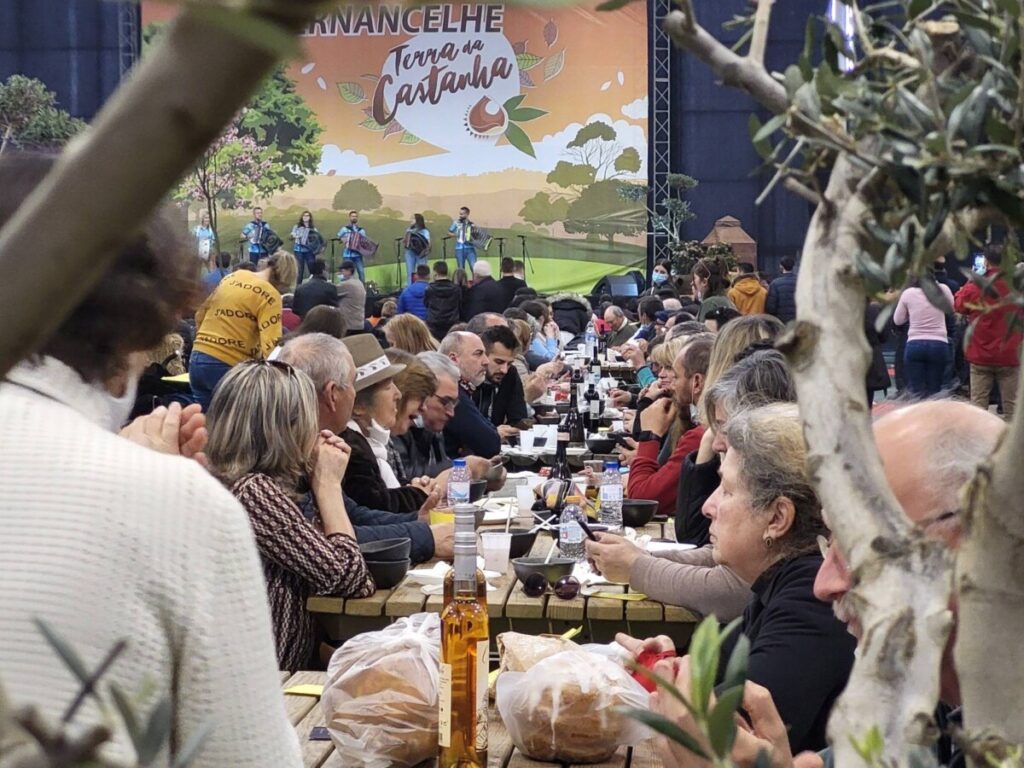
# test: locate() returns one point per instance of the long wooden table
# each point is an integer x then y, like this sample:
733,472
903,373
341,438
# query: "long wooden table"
510,609
306,714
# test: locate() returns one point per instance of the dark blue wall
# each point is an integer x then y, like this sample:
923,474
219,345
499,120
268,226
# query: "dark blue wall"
711,141
71,45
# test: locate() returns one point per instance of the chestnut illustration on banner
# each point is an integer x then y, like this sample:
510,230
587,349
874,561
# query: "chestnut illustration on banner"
486,119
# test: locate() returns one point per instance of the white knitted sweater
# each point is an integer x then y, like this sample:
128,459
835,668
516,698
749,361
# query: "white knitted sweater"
105,539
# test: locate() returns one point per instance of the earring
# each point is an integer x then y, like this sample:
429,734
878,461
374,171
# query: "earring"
768,542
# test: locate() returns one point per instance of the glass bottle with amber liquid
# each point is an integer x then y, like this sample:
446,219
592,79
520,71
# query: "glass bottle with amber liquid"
465,645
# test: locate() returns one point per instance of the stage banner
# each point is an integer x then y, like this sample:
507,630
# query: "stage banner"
533,118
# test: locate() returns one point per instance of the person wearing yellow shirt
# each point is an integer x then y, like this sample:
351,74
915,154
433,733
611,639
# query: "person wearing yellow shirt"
240,320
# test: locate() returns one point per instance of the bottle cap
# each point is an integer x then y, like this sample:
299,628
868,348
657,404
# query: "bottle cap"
459,463
465,519
611,465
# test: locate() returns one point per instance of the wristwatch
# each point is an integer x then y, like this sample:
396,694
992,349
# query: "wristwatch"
648,435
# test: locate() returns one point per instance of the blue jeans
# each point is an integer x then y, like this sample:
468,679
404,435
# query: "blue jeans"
357,260
411,262
304,258
204,373
925,363
465,254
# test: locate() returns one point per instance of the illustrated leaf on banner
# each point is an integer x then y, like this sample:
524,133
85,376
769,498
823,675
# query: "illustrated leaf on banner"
351,92
372,125
514,102
409,139
520,47
368,111
613,5
392,128
550,32
517,138
554,65
525,80
371,77
607,84
525,114
528,61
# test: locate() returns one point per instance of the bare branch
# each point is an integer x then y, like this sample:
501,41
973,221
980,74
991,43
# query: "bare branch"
177,100
737,71
759,40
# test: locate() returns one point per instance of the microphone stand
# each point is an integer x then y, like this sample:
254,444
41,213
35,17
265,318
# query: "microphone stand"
398,261
334,270
501,247
526,254
444,248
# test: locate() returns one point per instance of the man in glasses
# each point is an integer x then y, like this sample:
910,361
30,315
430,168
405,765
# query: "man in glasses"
468,432
929,451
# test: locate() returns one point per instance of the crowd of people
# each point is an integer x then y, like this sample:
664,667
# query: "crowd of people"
198,529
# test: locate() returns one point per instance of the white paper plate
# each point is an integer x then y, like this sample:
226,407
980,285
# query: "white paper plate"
436,574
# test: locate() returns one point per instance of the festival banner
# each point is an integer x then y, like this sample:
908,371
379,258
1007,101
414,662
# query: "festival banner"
534,118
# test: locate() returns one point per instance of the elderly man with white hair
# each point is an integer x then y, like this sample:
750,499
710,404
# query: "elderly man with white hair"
620,329
469,432
486,295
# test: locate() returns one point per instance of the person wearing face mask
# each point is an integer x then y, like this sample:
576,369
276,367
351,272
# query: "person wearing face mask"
661,280
107,538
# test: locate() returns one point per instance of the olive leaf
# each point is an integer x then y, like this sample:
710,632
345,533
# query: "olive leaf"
517,138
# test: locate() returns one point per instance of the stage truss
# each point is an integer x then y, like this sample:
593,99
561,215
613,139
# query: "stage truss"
660,124
128,38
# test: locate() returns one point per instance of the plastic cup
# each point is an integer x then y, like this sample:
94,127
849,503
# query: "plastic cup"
526,497
496,546
526,437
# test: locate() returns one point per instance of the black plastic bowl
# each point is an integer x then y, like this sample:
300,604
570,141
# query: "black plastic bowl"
522,541
477,489
637,513
601,444
387,550
552,571
388,574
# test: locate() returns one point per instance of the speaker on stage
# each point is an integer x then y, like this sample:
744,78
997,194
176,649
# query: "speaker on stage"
617,286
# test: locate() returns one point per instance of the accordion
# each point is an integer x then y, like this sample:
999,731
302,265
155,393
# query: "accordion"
315,241
361,244
480,238
417,243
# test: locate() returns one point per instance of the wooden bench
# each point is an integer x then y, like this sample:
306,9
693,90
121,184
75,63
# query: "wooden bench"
306,714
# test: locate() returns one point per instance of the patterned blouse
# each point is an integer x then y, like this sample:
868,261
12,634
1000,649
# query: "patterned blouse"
298,561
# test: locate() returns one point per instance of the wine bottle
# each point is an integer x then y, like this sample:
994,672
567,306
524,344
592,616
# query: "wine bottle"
573,423
465,646
561,470
593,411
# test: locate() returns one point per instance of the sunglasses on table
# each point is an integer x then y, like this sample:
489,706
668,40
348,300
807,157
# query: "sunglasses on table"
566,588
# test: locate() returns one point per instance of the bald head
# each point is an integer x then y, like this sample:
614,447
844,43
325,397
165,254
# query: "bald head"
929,451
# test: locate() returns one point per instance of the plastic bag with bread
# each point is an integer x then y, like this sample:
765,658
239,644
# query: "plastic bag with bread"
518,652
380,700
565,709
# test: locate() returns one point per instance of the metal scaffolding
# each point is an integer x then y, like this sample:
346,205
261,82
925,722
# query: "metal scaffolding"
661,121
127,35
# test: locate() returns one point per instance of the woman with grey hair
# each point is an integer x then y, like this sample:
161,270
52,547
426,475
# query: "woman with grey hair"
287,474
765,520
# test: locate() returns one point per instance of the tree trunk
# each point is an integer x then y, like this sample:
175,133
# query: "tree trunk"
990,585
902,580
171,107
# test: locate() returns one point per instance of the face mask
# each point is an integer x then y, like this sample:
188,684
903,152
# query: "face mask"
658,278
118,409
418,421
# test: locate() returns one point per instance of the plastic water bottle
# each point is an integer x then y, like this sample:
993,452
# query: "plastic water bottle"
570,533
458,483
590,338
610,513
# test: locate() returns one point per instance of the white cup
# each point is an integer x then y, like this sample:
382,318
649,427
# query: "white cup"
526,438
526,497
552,437
495,546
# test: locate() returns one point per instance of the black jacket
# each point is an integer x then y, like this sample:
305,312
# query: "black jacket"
364,483
781,299
485,296
314,292
571,312
696,483
468,432
504,404
510,284
799,650
443,300
420,452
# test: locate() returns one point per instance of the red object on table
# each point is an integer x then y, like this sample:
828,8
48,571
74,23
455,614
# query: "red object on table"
647,660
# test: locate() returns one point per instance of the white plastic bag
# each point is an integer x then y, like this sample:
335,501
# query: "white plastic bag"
380,700
565,708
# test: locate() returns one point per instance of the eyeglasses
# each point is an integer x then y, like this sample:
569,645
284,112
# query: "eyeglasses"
566,588
447,403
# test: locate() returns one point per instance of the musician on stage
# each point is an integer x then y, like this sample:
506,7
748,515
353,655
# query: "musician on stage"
308,244
465,250
417,245
346,235
258,233
205,237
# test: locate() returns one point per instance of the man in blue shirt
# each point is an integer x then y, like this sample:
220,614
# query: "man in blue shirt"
256,232
465,251
411,299
345,235
212,278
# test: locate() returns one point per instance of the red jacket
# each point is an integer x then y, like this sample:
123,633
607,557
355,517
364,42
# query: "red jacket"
647,480
991,342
